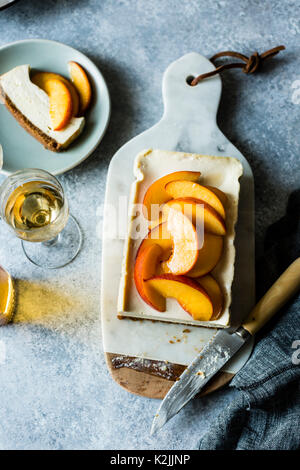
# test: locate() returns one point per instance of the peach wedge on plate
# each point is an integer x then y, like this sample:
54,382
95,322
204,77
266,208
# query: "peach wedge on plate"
40,79
61,107
82,84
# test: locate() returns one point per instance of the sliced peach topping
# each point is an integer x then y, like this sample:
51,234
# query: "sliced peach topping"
220,194
190,295
161,236
213,289
178,240
186,243
182,188
199,212
208,255
156,193
145,267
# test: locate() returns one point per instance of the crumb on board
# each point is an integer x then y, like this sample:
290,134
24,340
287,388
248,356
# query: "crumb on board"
201,373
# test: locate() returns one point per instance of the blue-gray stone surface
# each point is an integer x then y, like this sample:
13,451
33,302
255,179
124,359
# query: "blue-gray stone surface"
55,390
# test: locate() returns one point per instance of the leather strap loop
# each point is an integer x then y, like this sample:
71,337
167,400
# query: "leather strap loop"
249,65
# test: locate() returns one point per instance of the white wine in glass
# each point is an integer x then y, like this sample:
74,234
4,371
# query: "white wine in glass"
33,204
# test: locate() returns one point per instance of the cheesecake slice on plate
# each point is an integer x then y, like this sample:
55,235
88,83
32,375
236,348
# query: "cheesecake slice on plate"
30,106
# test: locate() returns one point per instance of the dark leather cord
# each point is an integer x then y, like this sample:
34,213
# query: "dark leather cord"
249,64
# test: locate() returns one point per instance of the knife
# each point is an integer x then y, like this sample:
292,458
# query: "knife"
225,345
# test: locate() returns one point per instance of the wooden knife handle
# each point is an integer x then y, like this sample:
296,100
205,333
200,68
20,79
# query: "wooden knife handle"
283,289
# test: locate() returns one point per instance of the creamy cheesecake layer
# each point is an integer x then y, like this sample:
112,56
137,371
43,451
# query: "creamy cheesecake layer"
221,172
30,106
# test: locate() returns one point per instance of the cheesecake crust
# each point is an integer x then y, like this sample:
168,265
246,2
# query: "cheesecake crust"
45,140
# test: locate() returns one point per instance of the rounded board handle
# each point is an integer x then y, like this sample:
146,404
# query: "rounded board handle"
183,102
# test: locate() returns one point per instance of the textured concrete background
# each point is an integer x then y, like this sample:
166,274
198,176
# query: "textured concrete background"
55,391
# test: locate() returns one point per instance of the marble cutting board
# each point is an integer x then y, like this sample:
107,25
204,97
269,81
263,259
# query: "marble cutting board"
188,125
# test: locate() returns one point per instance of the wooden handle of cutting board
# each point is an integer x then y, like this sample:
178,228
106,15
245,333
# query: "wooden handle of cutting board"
283,289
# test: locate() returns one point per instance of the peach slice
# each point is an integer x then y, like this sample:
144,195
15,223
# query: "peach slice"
40,79
222,196
185,244
178,240
182,188
190,295
144,269
213,289
82,84
208,256
159,235
156,193
60,103
190,207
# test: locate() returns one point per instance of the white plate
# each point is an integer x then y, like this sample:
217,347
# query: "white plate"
20,149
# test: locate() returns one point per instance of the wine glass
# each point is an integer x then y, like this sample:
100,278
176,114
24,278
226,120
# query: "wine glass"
33,204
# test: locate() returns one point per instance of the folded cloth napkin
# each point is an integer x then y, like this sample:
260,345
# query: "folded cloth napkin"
265,414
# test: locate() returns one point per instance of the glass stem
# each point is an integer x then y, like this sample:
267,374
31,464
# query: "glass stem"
51,242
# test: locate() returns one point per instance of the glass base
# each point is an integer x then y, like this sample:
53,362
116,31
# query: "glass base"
58,252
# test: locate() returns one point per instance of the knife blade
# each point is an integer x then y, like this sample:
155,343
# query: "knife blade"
212,358
224,345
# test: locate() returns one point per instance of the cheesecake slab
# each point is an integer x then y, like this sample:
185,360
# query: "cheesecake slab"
220,172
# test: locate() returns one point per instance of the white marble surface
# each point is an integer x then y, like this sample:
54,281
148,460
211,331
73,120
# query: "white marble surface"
188,124
56,392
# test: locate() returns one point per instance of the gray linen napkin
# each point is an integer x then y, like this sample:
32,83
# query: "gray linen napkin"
265,414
